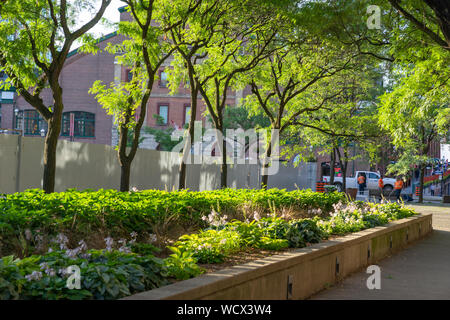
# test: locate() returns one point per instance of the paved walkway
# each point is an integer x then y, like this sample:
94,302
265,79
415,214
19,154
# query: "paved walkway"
421,271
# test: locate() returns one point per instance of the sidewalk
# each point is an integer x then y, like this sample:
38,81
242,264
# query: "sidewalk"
421,271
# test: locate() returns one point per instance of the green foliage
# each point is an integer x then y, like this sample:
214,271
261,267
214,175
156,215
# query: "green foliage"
239,117
358,216
162,135
104,275
182,265
144,249
112,274
417,111
218,242
210,246
84,213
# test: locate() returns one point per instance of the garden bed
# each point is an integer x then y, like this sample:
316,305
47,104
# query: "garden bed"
299,273
125,243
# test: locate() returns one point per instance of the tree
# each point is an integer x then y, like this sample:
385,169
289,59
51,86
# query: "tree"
348,119
34,59
189,52
291,83
239,40
146,52
417,111
432,19
162,136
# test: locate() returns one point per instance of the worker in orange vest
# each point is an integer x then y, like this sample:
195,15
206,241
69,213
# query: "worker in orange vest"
361,183
381,186
398,186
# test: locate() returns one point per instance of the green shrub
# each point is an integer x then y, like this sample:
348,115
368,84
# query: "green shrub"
182,265
86,213
104,275
110,274
210,246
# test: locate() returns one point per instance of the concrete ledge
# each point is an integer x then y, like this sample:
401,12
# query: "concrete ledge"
301,273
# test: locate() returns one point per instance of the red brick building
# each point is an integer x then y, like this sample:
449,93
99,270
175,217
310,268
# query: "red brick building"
91,122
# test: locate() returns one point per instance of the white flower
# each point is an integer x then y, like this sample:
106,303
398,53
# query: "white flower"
82,245
63,272
215,219
256,216
72,253
43,265
133,236
28,235
125,249
85,255
153,237
62,240
109,243
35,275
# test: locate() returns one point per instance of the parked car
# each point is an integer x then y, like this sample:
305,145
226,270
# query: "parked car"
371,181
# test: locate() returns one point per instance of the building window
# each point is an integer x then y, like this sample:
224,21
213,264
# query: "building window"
32,121
7,95
163,79
84,124
163,112
187,113
129,75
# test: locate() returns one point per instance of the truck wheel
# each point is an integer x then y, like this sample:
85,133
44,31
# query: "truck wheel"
387,189
338,186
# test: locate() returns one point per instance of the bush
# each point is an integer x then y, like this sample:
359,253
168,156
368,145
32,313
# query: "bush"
83,214
274,233
210,246
26,218
104,275
182,265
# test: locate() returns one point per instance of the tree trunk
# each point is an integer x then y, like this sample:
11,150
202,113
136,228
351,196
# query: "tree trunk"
51,141
124,161
222,145
344,176
189,140
125,172
223,168
332,161
182,178
265,176
421,179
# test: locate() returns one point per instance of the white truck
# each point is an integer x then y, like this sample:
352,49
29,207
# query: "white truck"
371,182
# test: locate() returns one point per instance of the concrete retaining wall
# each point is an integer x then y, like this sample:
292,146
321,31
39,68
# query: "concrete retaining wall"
301,273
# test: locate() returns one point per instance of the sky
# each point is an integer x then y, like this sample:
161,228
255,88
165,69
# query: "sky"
111,13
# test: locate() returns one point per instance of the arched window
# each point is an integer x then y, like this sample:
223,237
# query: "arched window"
84,124
32,121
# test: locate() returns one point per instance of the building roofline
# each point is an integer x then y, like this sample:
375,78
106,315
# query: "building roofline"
101,39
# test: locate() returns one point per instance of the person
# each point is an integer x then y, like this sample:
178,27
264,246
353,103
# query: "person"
381,186
398,186
432,189
361,183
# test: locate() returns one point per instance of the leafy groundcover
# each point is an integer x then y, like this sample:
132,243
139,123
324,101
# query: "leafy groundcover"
46,257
